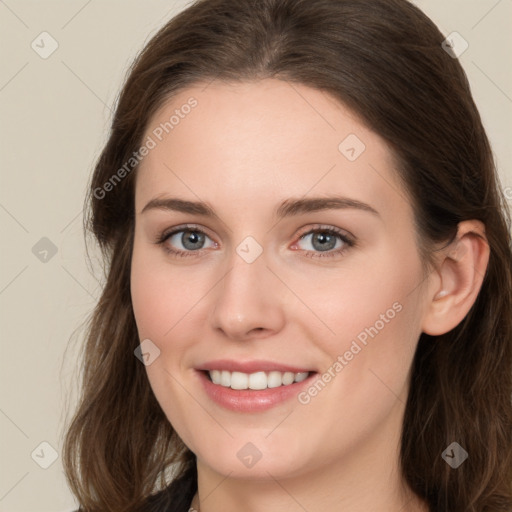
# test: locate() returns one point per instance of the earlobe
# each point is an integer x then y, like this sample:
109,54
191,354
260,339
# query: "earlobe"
461,270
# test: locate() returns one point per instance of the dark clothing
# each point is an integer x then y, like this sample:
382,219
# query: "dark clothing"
175,498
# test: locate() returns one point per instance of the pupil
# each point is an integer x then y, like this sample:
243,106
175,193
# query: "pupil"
325,241
192,240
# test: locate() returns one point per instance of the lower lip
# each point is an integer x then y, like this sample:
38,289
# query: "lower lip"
249,400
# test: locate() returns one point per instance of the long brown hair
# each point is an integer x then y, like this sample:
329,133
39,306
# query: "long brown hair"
383,59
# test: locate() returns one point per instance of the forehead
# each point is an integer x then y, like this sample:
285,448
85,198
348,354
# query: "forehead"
262,141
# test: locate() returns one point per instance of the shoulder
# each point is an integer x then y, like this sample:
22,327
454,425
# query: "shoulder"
175,498
162,502
167,501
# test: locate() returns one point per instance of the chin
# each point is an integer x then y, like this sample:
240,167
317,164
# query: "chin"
253,456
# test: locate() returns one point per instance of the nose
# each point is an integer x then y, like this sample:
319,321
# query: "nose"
249,301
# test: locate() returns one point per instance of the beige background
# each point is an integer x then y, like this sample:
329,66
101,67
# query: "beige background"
55,114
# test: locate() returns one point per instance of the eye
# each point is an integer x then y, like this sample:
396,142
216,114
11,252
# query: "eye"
330,241
319,242
185,241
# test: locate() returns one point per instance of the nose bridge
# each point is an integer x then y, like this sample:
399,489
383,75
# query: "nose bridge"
246,301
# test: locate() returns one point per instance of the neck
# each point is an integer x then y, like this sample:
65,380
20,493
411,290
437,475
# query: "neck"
367,478
287,495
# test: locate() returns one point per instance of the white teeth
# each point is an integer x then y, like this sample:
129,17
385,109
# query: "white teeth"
225,378
299,377
288,378
215,376
239,380
274,379
258,380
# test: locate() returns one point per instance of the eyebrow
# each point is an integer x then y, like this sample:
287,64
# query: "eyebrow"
287,208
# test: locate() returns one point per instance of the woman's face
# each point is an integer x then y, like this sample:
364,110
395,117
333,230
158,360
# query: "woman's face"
288,249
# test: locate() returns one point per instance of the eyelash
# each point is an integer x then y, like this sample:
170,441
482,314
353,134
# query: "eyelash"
347,242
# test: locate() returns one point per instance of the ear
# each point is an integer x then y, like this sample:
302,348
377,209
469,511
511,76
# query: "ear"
458,278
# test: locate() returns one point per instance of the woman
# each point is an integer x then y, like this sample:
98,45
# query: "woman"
308,297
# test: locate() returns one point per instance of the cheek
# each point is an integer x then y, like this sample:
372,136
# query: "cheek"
363,312
367,292
162,296
372,319
151,305
161,299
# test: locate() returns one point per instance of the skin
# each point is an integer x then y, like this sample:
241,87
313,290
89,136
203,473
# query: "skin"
245,149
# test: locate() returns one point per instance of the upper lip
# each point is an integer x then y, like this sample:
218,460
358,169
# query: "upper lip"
251,366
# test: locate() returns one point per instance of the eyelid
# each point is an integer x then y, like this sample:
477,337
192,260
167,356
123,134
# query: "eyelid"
178,253
326,227
348,240
346,237
183,227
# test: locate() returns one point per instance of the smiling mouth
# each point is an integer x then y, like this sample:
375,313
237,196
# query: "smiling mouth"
255,381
